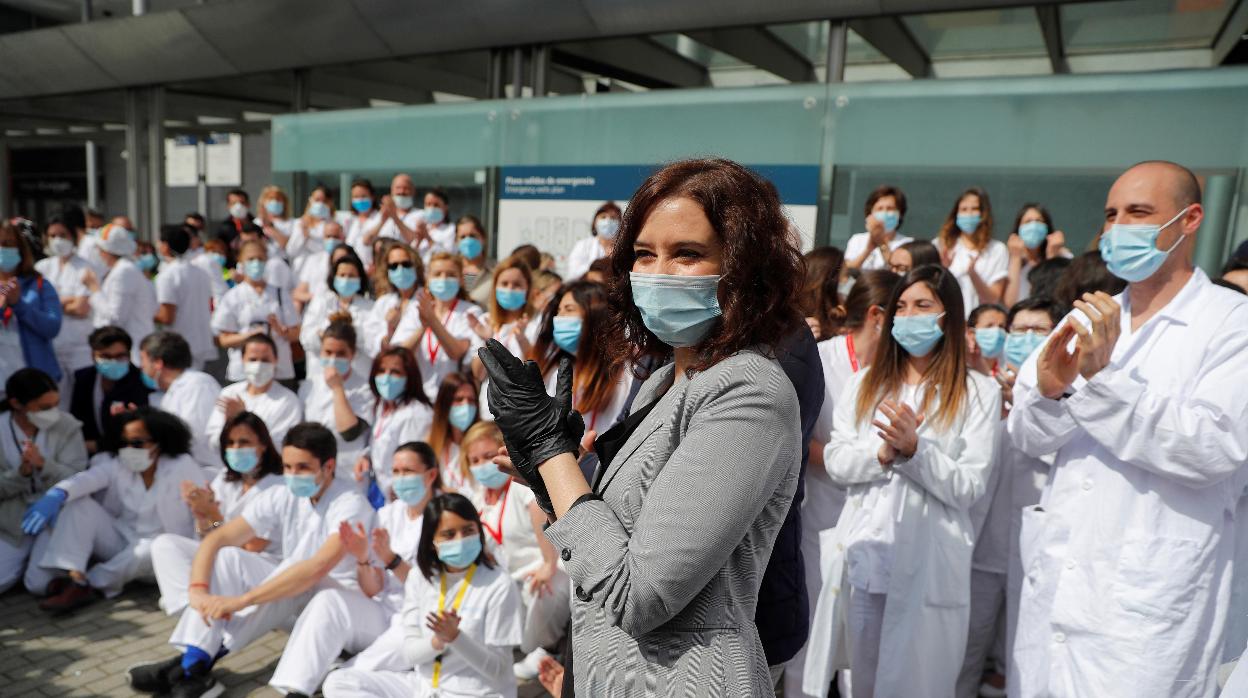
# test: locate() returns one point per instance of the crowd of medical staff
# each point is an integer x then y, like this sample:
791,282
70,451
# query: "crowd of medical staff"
282,421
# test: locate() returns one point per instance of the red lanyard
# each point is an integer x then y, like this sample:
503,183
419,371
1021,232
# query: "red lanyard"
853,355
429,340
497,534
381,421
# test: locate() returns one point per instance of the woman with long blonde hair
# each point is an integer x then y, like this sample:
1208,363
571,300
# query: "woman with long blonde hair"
912,440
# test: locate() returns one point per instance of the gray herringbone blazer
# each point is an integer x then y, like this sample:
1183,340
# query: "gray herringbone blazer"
667,566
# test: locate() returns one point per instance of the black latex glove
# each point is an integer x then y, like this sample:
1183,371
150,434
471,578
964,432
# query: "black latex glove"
536,427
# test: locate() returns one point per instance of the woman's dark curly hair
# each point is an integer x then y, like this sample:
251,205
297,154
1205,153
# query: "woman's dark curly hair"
168,431
762,267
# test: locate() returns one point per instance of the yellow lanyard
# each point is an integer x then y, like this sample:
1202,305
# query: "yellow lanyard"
459,599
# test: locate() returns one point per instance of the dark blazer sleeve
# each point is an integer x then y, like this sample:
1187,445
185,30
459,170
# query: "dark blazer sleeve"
80,402
129,389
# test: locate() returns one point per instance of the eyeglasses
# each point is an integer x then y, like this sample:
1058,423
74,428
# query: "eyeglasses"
135,443
395,265
1042,331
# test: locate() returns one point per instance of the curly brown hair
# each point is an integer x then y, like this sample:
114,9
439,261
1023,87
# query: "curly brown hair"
762,268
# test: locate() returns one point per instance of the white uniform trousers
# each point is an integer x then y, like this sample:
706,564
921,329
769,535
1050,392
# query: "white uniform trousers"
386,652
234,572
336,619
546,617
866,622
985,632
85,531
171,561
13,561
359,683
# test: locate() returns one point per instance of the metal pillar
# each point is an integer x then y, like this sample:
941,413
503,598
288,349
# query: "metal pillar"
540,68
134,140
517,73
155,161
838,32
344,191
86,10
139,7
6,183
201,178
299,102
494,74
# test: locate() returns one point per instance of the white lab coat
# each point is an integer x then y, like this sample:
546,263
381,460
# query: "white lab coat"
316,319
409,422
318,406
243,308
278,407
434,361
187,288
128,300
926,615
192,397
1128,556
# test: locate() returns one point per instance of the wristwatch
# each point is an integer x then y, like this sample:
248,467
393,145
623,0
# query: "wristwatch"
394,562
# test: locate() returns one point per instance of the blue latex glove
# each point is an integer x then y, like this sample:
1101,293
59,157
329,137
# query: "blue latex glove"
43,513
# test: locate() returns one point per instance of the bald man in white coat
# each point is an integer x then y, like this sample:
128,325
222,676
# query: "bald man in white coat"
1128,557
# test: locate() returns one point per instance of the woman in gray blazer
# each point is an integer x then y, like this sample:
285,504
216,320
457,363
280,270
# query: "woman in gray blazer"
668,547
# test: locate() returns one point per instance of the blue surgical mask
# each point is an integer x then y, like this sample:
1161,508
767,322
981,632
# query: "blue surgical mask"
409,488
1019,345
390,386
460,552
489,475
361,205
10,257
331,244
302,485
402,278
607,228
567,332
149,382
402,202
341,365
242,460
470,247
510,298
991,341
275,207
890,219
444,288
112,369
318,209
1033,233
679,310
254,269
346,286
147,261
217,258
1130,251
917,334
968,222
461,416
434,215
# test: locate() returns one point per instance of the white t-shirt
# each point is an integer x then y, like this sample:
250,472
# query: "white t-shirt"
65,275
585,252
303,242
824,500
375,327
318,406
509,529
187,287
441,239
316,319
490,613
243,308
390,230
858,244
128,300
993,265
433,360
231,499
192,397
409,422
302,527
313,271
216,276
404,540
278,407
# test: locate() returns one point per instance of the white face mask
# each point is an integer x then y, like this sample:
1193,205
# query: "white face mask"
134,459
238,210
44,418
60,247
258,373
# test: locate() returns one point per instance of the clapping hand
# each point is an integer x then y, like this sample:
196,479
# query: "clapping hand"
901,433
445,627
536,427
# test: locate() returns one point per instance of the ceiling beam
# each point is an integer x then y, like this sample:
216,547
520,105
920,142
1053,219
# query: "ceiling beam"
1232,32
1050,20
761,48
433,74
639,60
890,37
347,82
